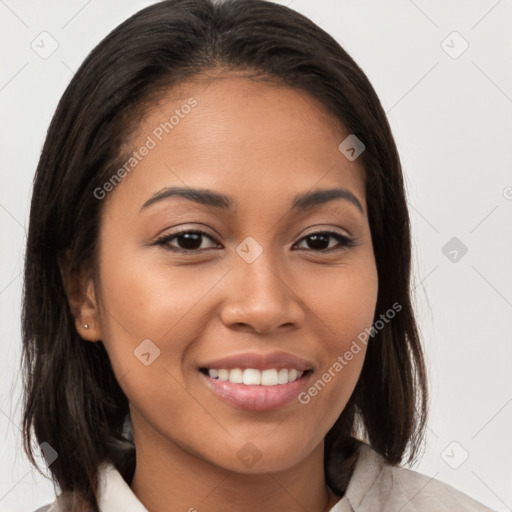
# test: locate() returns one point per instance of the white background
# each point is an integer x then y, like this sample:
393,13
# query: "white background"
451,118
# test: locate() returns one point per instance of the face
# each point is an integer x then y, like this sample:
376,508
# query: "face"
262,277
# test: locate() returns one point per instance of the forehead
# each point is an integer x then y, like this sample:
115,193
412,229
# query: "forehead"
249,139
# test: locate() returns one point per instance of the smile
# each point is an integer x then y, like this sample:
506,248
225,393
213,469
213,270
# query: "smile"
255,390
254,377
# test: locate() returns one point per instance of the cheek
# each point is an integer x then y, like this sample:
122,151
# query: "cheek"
344,304
353,311
143,299
343,298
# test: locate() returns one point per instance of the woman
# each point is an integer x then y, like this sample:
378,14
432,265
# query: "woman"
216,310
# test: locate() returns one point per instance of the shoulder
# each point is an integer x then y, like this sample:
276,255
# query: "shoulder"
62,502
46,508
113,493
376,485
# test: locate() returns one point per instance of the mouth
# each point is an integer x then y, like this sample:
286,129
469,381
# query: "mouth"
255,377
256,390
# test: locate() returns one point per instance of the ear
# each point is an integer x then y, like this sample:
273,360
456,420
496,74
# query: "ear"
79,287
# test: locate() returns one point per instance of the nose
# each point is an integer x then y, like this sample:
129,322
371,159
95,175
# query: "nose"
261,298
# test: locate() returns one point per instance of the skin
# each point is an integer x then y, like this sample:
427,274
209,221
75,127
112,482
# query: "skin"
261,144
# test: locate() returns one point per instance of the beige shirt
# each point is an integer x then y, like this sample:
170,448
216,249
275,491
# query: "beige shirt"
375,486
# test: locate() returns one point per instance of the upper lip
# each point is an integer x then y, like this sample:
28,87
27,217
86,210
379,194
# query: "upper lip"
257,361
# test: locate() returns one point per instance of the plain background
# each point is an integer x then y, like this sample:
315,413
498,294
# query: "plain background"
450,112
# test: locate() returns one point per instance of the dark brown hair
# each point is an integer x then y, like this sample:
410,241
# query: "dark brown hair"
72,400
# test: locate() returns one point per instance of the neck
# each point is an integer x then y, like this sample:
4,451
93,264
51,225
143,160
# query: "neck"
168,477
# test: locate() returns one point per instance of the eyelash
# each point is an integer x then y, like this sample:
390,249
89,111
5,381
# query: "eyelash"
345,241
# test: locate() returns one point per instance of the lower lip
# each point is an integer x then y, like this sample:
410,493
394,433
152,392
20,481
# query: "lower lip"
257,398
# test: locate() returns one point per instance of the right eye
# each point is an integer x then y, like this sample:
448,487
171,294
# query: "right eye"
189,240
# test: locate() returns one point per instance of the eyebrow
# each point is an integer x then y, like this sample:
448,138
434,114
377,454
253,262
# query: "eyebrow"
300,202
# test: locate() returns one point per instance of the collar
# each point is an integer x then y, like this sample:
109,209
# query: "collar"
115,495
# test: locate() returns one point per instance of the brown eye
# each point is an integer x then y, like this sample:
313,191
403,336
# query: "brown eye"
187,241
320,241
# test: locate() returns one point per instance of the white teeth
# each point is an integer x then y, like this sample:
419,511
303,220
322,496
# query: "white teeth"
269,377
282,378
223,374
253,377
236,376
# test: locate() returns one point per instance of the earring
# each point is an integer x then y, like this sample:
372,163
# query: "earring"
86,326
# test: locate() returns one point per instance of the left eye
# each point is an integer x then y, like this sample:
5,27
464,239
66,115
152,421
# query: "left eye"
318,240
190,241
